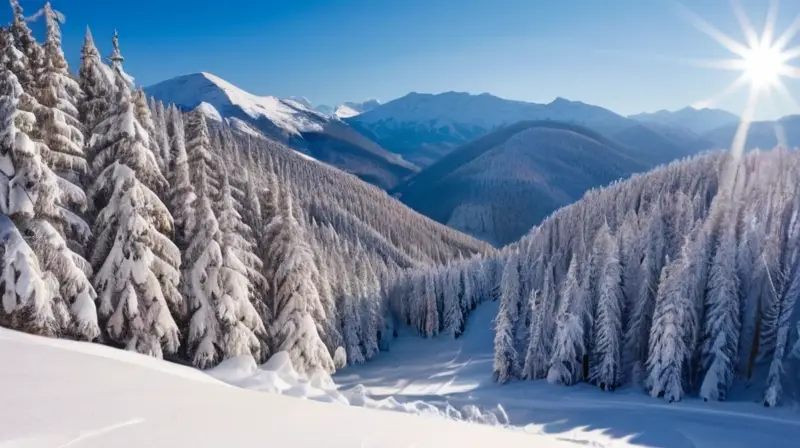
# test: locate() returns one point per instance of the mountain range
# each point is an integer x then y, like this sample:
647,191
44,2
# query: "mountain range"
454,155
500,185
289,121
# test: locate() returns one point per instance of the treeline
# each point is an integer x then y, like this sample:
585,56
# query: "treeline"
138,225
682,281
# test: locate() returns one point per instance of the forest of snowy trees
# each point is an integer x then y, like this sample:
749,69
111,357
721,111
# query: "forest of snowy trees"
682,281
145,227
142,226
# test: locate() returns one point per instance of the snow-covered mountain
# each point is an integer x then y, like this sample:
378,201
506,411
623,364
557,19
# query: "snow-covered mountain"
424,127
499,185
348,109
290,121
698,121
279,117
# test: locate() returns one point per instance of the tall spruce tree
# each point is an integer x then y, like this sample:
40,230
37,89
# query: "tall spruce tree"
135,261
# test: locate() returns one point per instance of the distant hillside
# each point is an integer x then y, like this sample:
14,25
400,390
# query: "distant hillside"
424,127
500,185
762,134
289,121
698,121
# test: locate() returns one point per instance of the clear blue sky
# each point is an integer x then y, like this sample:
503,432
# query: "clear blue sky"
626,55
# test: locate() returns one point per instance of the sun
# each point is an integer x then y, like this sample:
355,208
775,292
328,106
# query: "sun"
764,65
763,61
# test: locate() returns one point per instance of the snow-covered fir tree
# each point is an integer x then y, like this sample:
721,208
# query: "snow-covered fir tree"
569,348
32,197
58,94
296,298
181,192
136,264
722,320
93,79
607,347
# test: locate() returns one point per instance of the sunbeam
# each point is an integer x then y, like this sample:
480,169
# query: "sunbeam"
763,61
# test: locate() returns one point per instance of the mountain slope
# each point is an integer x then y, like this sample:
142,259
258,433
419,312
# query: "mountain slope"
698,121
361,213
424,127
762,134
500,185
290,122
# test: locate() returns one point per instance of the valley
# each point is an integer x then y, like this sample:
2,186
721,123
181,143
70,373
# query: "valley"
430,269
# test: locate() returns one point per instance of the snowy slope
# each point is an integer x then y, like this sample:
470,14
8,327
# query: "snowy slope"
190,90
209,111
344,111
460,372
59,393
351,109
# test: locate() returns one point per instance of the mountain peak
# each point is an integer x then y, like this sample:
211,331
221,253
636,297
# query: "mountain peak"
189,91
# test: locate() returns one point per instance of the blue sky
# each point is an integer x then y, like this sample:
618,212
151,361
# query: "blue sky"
626,55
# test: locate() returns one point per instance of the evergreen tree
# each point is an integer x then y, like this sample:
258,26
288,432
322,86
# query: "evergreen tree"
785,303
296,298
240,275
31,196
505,354
199,152
607,365
453,314
58,94
537,359
145,118
675,321
722,324
95,103
201,284
637,333
116,59
569,347
28,293
135,261
31,53
181,195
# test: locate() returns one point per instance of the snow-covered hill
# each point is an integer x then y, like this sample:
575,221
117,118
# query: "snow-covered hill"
59,393
698,121
290,121
424,127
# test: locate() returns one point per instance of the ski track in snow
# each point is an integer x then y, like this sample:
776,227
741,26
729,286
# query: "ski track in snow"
458,372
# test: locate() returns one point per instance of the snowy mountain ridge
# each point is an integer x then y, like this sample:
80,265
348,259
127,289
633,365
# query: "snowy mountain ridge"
290,116
700,120
290,121
423,127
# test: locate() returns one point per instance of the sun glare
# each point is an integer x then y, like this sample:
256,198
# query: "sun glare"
764,61
764,66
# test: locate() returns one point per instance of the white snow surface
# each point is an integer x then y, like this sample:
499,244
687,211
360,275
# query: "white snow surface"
191,90
209,111
63,393
444,371
59,393
345,111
